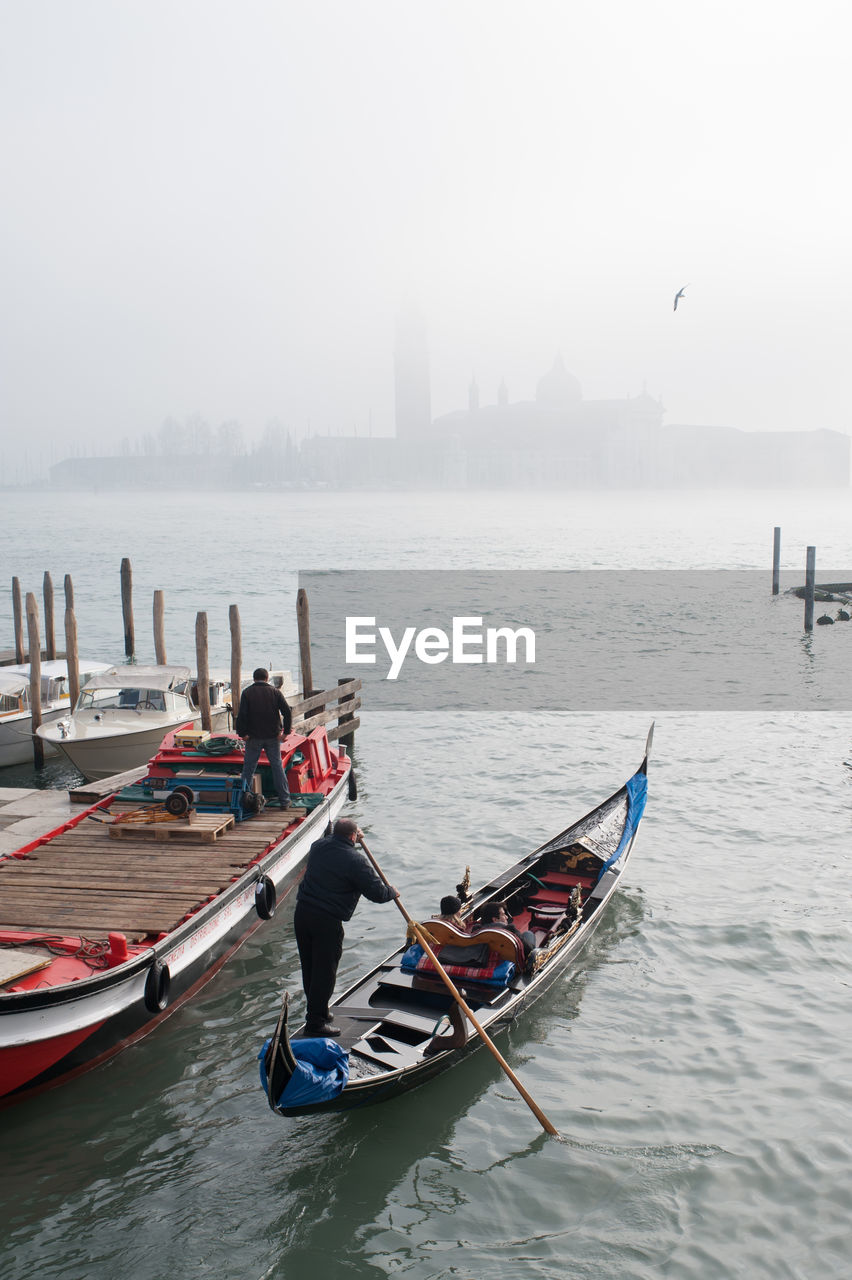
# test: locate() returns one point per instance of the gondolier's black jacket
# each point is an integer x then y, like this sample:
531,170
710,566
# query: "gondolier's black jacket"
262,710
336,874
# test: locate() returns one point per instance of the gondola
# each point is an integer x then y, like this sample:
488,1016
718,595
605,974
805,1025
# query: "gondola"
399,1026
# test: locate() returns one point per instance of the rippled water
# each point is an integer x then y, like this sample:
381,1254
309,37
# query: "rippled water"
696,1060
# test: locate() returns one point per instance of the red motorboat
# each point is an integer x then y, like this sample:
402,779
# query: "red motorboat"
111,921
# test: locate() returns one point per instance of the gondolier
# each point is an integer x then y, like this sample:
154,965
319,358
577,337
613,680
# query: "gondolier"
336,875
263,719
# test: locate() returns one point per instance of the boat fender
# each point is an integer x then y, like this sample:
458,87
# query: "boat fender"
353,785
265,898
157,986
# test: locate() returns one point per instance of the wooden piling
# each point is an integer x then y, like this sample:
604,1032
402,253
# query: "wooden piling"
303,618
202,669
347,737
71,655
69,592
810,577
49,628
776,561
18,615
236,660
159,628
34,640
127,607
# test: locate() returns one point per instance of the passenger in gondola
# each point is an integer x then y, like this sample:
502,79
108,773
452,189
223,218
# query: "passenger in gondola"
336,875
451,912
496,913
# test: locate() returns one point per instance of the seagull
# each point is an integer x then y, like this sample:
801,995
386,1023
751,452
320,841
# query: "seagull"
680,294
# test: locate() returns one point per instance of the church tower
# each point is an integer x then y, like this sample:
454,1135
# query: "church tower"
413,398
473,395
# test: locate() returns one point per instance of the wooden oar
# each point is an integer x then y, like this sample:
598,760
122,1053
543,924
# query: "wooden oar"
456,994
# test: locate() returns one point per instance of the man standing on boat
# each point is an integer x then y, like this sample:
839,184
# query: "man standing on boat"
263,720
336,875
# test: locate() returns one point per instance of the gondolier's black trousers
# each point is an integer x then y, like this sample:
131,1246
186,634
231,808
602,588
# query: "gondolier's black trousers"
319,937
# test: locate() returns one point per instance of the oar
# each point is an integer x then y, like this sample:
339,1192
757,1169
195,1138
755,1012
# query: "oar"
456,994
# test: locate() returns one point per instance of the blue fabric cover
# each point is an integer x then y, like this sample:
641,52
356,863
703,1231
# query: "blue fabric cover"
408,963
637,794
322,1072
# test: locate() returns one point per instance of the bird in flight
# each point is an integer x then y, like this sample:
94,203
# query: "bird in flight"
681,293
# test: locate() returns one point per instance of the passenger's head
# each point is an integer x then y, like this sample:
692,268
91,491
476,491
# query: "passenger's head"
260,673
450,905
493,913
346,829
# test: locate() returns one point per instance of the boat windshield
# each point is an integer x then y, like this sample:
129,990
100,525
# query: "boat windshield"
130,700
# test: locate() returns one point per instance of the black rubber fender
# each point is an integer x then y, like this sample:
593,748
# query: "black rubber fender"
265,898
353,785
157,987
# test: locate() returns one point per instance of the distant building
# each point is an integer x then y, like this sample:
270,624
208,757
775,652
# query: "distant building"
558,440
561,440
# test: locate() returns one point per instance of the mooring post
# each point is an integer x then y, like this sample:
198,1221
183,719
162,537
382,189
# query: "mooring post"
18,616
127,607
303,618
810,576
71,656
35,677
343,718
69,592
49,629
776,561
202,669
236,660
159,628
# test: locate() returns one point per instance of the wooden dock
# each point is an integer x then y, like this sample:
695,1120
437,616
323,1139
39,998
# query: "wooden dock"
84,883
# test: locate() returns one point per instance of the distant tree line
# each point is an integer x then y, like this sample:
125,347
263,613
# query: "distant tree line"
195,437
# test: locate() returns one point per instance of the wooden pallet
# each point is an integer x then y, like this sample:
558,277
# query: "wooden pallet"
205,827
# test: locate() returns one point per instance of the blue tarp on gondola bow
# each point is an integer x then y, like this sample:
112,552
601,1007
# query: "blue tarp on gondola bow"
322,1072
637,794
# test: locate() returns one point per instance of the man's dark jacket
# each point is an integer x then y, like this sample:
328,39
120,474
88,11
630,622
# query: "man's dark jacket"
335,876
262,710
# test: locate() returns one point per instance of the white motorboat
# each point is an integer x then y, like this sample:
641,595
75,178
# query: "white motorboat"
123,714
16,721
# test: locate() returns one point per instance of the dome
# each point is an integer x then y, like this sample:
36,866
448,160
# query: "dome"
558,388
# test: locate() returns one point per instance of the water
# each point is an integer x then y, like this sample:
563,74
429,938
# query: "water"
696,1060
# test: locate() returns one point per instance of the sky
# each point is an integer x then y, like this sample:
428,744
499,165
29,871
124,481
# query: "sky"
219,208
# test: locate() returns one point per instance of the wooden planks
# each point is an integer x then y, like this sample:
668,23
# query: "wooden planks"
92,792
86,883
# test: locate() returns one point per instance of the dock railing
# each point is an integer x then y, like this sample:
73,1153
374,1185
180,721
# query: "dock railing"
334,709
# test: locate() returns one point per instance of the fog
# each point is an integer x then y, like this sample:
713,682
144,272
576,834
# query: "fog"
217,208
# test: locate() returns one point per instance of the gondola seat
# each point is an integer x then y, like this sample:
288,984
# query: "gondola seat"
491,955
492,969
507,944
